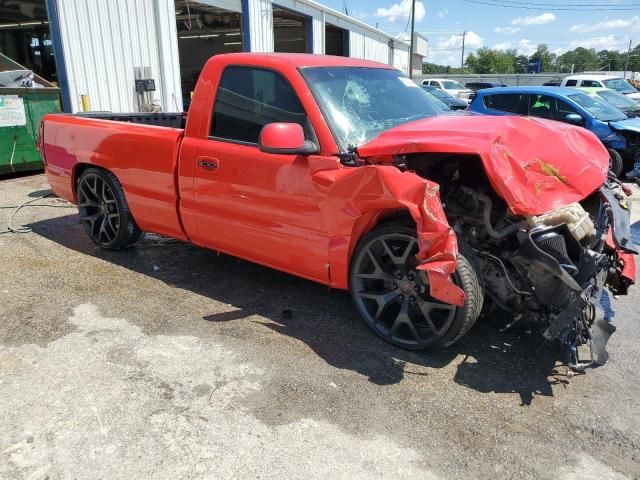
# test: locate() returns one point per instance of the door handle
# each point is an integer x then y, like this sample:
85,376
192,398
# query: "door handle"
208,163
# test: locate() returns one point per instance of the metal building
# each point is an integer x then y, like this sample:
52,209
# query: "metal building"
102,46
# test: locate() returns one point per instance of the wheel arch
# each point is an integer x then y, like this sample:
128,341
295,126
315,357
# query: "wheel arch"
365,223
78,169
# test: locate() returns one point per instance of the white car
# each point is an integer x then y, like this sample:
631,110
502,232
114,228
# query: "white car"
450,86
606,81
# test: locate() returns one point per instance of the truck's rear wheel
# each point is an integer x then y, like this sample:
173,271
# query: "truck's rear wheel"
393,296
104,212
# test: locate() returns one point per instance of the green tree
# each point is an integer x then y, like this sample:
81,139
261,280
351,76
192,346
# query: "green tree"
547,58
581,59
610,60
487,60
634,59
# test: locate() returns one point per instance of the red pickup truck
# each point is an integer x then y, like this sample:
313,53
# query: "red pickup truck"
341,171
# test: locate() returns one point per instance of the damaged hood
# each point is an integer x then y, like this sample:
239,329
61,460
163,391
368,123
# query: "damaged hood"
629,125
535,165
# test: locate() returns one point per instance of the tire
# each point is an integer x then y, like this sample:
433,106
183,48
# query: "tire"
616,165
392,296
104,212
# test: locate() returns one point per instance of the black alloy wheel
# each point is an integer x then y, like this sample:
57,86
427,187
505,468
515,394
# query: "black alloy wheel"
393,297
103,210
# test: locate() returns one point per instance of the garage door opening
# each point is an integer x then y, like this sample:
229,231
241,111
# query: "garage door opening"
203,31
336,41
290,31
25,36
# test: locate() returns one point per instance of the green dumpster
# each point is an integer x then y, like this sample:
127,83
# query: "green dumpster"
21,110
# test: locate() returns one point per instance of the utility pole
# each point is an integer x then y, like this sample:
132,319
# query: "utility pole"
464,34
626,64
411,47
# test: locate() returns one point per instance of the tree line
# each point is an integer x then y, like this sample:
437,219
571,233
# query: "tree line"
489,60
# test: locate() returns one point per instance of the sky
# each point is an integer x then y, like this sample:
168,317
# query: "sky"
519,24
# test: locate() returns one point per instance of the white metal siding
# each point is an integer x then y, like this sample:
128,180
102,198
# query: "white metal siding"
103,42
356,45
401,59
171,92
261,25
376,50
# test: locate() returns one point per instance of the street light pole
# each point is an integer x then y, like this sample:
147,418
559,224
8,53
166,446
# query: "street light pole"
626,64
464,34
411,47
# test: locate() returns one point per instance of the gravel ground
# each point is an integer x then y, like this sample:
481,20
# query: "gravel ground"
169,361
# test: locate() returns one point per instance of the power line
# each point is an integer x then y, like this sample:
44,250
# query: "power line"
578,8
581,4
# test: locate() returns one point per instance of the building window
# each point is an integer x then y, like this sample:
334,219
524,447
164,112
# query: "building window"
25,37
290,31
203,31
336,41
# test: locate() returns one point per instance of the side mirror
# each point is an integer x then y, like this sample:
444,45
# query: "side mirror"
285,138
574,118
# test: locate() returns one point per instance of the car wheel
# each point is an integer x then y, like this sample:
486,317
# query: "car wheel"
393,297
615,162
104,212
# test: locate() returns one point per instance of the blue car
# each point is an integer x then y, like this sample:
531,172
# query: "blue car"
619,133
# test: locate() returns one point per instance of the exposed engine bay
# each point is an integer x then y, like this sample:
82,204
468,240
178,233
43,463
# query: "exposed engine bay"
545,272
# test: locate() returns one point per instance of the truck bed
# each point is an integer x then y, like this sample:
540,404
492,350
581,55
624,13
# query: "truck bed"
141,152
162,119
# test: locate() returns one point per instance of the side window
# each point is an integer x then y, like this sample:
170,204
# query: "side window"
248,98
571,83
542,106
510,102
435,84
563,109
590,83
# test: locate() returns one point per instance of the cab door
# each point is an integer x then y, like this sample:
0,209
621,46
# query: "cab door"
249,203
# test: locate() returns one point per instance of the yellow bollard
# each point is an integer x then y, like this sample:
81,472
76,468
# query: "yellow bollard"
84,99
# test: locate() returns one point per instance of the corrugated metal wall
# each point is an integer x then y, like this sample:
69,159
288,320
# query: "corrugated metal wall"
260,25
401,59
103,41
364,42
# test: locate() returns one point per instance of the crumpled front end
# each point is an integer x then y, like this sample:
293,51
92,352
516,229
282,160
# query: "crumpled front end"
532,203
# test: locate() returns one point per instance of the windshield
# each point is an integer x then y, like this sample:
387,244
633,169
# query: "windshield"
620,85
439,104
439,93
451,85
619,100
360,103
598,108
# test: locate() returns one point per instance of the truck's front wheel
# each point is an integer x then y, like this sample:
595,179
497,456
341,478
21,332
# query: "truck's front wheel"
104,212
615,162
392,295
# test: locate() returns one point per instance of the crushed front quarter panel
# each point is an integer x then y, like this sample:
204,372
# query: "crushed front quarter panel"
351,201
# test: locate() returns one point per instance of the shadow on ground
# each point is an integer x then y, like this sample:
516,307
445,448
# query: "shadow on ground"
324,319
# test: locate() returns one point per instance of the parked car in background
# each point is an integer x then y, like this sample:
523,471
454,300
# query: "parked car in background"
453,103
604,81
450,86
619,133
622,102
339,170
552,83
475,86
